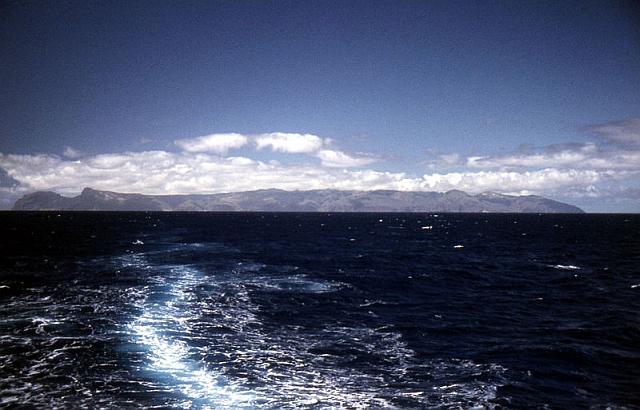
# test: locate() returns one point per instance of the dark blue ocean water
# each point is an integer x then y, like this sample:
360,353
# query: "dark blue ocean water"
267,310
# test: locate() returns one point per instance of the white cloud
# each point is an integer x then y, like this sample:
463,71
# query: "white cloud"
217,143
618,149
292,143
289,142
313,145
338,159
561,171
71,152
582,156
540,181
160,172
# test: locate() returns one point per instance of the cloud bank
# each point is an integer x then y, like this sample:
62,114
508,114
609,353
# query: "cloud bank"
606,167
161,172
609,166
581,156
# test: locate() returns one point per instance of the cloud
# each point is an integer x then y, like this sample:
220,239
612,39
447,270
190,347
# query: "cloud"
624,132
572,170
338,159
582,156
538,160
294,143
290,142
540,181
161,172
607,168
618,149
6,180
71,152
217,143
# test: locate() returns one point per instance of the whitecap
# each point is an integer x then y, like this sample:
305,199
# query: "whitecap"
565,267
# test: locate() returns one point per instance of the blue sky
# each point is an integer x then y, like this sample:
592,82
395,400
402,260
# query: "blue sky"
193,97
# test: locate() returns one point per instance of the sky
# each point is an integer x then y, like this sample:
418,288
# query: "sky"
182,97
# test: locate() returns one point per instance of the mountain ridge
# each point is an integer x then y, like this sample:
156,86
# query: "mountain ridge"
277,200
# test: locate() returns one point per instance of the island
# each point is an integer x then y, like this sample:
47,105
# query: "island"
277,200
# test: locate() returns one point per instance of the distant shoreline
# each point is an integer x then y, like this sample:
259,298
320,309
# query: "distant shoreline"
275,200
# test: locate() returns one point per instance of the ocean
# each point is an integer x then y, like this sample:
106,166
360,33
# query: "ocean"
319,311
